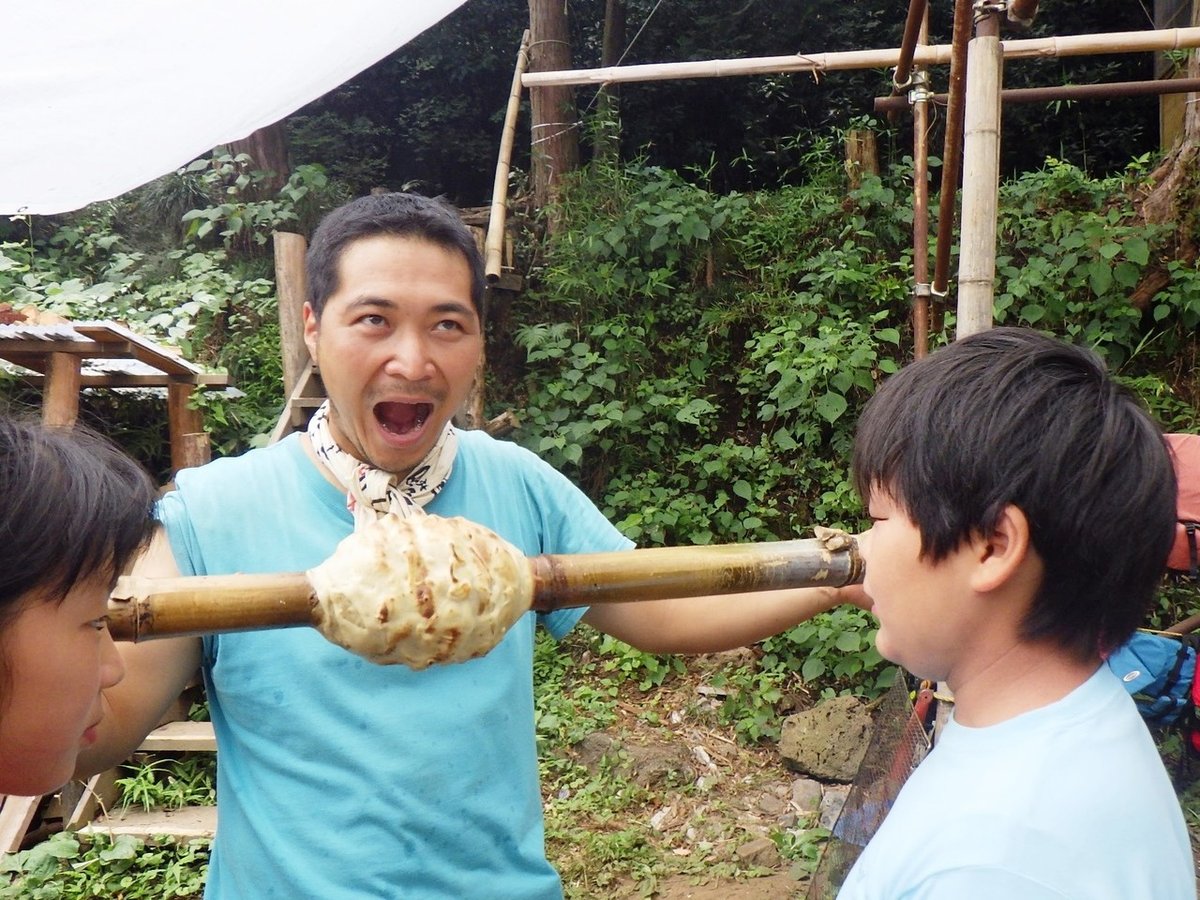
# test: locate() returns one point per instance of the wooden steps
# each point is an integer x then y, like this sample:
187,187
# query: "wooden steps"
188,823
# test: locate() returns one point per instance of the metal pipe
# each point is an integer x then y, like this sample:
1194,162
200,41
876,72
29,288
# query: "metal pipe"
1022,12
952,151
913,27
1104,91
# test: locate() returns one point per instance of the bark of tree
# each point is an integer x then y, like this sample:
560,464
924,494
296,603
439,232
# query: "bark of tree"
608,128
268,148
1178,169
555,137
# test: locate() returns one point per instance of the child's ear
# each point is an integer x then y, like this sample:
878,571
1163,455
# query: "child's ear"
1002,553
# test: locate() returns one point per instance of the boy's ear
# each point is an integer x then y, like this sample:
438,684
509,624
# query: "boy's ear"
1003,553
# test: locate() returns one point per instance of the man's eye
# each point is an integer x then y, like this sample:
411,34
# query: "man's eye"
449,325
373,319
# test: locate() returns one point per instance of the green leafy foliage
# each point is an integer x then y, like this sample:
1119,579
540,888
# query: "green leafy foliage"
65,868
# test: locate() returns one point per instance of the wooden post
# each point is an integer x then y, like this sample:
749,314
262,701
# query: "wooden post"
555,137
862,157
981,177
60,396
291,288
186,428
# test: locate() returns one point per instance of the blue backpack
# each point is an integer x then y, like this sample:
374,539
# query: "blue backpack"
1159,671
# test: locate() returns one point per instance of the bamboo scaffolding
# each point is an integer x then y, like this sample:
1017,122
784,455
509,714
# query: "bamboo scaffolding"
981,178
494,242
932,55
143,608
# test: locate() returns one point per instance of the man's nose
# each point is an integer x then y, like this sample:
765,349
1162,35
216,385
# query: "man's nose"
408,356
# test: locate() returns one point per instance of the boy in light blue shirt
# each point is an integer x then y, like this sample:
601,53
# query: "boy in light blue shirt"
1022,506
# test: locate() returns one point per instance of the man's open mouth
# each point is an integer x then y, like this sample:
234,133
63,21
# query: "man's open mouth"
402,418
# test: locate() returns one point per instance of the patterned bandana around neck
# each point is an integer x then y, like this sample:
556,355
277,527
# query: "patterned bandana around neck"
373,492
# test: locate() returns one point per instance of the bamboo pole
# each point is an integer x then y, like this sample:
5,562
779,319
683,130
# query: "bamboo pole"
933,55
981,179
920,95
143,608
494,243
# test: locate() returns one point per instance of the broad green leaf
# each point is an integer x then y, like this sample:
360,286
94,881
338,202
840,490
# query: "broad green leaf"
831,406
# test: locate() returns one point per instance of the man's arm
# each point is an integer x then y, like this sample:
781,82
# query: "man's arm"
714,623
156,672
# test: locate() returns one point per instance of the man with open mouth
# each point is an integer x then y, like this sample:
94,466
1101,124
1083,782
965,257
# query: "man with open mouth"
337,777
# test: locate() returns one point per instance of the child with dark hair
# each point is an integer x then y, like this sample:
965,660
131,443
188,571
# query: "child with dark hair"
74,510
1022,506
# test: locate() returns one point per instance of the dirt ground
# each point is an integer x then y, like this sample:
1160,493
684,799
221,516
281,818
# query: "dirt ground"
736,808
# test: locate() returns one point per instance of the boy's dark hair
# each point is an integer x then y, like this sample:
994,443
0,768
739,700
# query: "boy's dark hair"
72,505
1010,416
402,215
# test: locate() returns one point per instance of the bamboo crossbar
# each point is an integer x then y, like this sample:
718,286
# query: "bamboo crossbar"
932,55
143,608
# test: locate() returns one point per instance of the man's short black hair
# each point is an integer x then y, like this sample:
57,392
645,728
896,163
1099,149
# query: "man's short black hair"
1011,416
401,215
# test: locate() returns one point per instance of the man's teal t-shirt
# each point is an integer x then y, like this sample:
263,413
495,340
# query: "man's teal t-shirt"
339,778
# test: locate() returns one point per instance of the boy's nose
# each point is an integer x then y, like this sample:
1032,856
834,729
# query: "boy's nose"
112,667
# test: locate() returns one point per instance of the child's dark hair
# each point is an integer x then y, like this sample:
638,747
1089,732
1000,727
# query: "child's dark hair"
72,505
400,215
1010,416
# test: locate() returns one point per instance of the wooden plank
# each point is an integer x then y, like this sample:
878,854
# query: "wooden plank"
15,816
183,424
189,823
99,794
122,380
17,351
60,397
140,348
181,736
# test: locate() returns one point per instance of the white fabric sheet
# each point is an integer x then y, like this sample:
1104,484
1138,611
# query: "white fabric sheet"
100,96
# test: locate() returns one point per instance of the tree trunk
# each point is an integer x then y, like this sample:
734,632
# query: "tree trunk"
268,148
1171,178
555,137
608,127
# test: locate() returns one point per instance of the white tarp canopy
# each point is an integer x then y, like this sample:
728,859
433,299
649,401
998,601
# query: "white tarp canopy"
98,97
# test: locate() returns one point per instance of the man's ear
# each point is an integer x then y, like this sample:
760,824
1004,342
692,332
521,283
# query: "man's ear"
311,326
1003,553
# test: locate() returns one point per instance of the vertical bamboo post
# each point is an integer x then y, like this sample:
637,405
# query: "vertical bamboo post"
921,293
981,177
494,243
291,289
60,395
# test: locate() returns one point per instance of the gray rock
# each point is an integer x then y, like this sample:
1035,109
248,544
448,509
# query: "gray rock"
831,805
759,852
806,795
828,741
